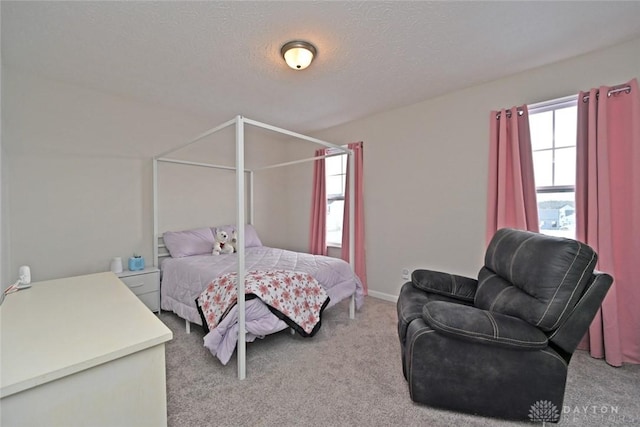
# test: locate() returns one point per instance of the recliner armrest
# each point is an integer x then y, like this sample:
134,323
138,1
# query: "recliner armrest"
451,285
482,326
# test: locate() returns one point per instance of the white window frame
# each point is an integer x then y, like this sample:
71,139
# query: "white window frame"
552,105
333,154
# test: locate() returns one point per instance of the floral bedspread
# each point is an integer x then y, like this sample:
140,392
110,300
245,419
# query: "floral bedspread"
295,297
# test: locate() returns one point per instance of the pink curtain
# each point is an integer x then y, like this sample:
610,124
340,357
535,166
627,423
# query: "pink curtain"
318,229
359,263
511,196
608,214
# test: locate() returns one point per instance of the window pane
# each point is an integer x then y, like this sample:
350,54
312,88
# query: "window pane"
557,214
565,164
335,212
335,168
541,129
542,168
566,123
333,165
335,185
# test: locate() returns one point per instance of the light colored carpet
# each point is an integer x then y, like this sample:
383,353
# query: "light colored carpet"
350,374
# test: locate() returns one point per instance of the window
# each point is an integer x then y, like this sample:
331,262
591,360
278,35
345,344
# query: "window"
553,141
336,171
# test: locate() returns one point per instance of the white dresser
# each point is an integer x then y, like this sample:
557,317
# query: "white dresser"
81,351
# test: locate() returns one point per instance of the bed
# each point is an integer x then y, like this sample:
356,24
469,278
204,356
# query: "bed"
178,298
191,268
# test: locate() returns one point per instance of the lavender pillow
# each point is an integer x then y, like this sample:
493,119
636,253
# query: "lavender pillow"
198,241
251,238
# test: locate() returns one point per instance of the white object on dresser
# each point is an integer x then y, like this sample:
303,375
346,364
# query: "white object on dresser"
81,351
145,284
116,265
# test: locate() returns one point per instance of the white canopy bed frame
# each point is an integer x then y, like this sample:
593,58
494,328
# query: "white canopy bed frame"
240,122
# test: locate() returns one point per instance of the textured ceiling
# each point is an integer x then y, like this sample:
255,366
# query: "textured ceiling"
218,59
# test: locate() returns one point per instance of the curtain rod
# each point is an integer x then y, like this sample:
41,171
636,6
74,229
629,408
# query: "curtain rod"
610,92
508,114
585,98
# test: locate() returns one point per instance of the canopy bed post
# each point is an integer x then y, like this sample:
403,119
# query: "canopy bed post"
155,212
240,211
250,186
352,226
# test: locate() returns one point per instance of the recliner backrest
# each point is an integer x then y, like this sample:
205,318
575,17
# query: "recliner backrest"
572,330
532,276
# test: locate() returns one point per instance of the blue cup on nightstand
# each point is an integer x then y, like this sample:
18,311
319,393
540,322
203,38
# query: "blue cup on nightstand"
136,263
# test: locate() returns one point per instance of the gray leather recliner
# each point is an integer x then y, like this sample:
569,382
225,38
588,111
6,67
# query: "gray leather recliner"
500,345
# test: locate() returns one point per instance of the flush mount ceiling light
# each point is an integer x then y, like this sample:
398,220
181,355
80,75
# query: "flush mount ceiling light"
298,54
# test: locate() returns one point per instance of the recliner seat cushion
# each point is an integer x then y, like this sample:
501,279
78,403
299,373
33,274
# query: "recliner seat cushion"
533,277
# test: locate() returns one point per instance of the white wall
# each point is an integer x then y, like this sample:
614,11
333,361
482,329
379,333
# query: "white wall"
3,189
79,166
3,222
207,196
3,184
426,166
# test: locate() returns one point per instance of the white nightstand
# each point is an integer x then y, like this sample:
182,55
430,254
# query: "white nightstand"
145,284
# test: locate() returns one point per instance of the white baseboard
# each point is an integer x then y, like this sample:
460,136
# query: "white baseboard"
383,296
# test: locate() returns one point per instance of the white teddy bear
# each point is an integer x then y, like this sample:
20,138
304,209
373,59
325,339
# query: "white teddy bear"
220,246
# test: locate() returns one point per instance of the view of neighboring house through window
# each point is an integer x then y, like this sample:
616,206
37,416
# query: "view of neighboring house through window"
553,141
336,170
